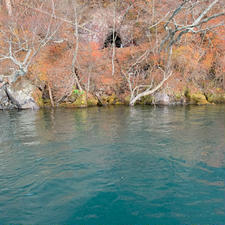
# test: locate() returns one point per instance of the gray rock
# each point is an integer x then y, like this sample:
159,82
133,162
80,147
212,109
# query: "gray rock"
20,94
161,98
5,102
1,78
2,94
3,98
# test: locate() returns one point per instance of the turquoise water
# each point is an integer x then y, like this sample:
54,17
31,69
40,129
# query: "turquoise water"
113,166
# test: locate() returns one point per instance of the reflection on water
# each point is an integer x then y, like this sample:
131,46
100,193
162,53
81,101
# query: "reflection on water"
115,165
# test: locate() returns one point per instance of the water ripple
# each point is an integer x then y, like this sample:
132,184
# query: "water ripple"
115,165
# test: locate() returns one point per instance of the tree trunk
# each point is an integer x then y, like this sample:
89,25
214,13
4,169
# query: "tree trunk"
8,7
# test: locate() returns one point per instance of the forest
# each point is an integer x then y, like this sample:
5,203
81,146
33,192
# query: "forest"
75,53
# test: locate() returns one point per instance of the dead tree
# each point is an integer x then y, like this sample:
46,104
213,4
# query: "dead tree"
175,27
21,45
76,35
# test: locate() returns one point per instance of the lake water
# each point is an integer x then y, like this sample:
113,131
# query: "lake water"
113,166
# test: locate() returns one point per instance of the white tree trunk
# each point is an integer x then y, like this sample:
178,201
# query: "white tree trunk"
8,7
133,100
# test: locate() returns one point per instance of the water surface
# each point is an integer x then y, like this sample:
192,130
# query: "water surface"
113,166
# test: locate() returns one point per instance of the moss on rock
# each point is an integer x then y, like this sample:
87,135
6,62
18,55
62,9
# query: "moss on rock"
146,100
81,100
110,100
198,99
195,98
92,101
216,98
126,100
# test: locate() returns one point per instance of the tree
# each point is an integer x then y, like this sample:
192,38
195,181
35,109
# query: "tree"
165,32
8,7
76,35
22,41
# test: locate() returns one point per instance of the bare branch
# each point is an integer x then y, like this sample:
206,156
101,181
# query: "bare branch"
74,71
82,26
175,33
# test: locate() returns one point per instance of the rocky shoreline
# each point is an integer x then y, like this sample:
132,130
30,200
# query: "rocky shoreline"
22,94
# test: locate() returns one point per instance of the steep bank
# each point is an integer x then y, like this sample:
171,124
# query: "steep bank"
124,53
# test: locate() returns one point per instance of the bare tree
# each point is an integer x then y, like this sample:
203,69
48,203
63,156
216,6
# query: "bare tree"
21,45
76,35
176,25
114,37
175,30
140,90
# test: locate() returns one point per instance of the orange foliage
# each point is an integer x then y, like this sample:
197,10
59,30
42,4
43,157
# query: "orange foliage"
193,57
